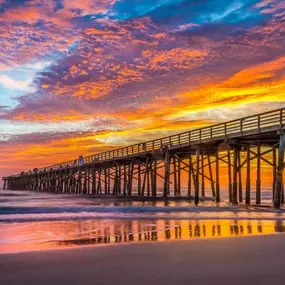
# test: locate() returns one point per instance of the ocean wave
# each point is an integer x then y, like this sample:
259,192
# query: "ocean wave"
131,209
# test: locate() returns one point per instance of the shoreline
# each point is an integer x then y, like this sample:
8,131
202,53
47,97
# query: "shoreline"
122,197
240,260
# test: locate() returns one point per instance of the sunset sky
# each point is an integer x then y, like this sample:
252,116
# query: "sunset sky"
81,77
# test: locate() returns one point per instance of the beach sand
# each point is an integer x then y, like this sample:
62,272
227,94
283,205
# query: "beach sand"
252,260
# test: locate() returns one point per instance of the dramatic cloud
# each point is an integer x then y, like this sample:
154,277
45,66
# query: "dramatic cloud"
78,77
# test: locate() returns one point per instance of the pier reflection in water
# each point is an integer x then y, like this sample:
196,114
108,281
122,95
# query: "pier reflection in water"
141,231
65,234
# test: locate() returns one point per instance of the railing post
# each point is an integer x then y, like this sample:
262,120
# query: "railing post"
281,118
258,124
179,140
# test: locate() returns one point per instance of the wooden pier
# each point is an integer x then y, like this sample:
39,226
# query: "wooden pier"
143,169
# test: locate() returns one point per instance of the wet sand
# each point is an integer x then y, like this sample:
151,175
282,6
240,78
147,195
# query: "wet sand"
252,260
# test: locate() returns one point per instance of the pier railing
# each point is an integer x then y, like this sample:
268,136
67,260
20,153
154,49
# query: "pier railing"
239,127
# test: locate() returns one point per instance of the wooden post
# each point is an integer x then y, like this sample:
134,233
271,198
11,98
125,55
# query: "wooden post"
119,179
274,171
148,178
125,180
211,176
203,175
89,180
61,175
66,181
46,181
79,181
139,179
63,189
218,197
115,185
73,181
235,161
258,181
179,177
196,198
145,176
174,175
109,180
282,191
99,187
247,194
230,177
130,184
166,173
94,180
69,181
189,176
105,181
85,181
153,176
278,183
239,177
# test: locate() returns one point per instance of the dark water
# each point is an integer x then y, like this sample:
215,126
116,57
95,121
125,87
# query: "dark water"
40,221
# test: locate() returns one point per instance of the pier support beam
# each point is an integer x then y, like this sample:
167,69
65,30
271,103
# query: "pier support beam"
230,177
125,183
203,176
154,178
247,193
218,198
179,177
139,179
235,184
130,180
166,173
258,180
196,198
239,177
175,176
189,176
278,180
211,176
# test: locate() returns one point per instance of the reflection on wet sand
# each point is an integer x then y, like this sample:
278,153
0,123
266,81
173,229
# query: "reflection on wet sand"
16,237
141,231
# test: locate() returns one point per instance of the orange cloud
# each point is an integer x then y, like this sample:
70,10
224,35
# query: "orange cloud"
177,58
154,82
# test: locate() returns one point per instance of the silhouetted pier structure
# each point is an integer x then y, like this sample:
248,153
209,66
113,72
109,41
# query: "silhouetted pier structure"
136,169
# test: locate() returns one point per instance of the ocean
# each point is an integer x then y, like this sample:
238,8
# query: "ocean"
31,221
